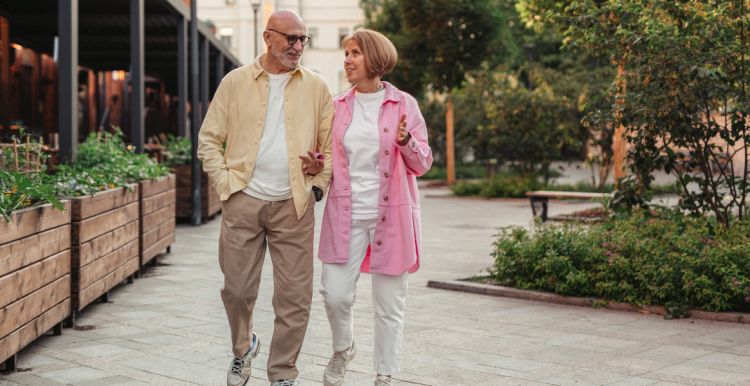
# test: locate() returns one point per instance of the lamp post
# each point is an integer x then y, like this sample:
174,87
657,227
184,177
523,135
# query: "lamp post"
256,5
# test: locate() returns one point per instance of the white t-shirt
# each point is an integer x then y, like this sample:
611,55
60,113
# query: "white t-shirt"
362,148
270,179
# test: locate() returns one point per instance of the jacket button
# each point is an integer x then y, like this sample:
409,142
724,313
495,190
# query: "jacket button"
386,175
387,152
386,129
385,198
383,218
380,242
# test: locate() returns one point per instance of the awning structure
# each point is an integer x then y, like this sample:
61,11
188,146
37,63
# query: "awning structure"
148,40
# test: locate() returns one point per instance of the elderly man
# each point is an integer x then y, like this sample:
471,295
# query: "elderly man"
271,114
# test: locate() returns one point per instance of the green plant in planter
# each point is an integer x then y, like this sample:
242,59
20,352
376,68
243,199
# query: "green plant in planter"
69,182
178,151
107,153
19,191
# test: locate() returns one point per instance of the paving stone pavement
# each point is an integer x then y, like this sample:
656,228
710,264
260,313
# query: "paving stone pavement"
169,328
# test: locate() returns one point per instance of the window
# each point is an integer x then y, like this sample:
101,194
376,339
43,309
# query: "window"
226,36
313,32
344,84
343,31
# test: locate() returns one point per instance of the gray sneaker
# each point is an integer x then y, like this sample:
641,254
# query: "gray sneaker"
382,380
240,370
336,369
285,382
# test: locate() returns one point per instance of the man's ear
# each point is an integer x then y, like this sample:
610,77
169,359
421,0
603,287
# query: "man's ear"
267,38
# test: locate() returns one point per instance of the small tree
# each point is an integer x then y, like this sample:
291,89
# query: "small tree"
686,104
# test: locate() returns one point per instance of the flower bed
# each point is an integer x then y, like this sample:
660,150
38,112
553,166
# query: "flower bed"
656,257
157,216
105,243
34,276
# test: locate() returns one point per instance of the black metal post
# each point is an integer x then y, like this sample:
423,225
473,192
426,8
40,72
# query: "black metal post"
204,70
137,72
67,24
256,5
182,77
195,116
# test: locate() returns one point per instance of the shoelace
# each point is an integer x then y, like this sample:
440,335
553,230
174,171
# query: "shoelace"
236,366
338,361
285,382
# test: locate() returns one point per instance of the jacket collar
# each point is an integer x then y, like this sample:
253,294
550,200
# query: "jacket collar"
391,94
257,69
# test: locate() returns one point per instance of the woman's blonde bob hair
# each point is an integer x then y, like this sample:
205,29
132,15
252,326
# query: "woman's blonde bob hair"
380,54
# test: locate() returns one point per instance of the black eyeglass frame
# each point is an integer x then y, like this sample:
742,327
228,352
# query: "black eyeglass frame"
292,39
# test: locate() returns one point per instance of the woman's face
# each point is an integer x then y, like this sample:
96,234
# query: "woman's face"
354,63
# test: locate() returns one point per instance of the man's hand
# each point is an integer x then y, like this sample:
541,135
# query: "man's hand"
403,134
311,165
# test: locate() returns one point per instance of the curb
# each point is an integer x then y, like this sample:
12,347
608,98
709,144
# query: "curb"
496,290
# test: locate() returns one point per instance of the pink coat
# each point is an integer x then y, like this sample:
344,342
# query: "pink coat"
398,234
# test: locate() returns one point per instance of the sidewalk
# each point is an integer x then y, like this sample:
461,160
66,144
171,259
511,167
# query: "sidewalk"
169,328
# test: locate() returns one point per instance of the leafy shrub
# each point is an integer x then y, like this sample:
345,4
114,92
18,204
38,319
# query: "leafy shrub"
178,151
504,185
465,171
106,153
18,191
648,257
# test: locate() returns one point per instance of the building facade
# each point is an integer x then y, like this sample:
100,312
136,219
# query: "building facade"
327,21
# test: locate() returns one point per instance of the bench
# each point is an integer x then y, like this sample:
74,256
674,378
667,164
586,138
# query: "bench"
540,198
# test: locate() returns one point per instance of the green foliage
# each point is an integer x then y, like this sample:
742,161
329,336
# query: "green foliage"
19,191
649,257
438,41
35,162
463,171
685,106
178,151
508,184
503,185
107,154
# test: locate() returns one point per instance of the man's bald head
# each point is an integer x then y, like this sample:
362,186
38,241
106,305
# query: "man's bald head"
283,56
283,19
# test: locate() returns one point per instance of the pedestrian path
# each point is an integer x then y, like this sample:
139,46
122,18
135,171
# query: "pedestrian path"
169,328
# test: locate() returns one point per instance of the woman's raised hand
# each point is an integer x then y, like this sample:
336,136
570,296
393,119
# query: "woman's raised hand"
403,134
311,165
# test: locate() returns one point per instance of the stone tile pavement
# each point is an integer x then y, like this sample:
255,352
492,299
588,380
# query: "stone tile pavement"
169,328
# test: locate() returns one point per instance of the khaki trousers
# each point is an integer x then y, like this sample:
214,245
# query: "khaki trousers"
249,225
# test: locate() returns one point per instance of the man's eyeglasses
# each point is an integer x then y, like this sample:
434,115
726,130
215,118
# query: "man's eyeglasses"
291,39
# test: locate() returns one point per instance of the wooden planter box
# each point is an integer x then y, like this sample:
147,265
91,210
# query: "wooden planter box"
34,277
210,202
104,238
157,216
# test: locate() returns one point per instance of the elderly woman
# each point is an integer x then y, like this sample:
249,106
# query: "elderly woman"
371,222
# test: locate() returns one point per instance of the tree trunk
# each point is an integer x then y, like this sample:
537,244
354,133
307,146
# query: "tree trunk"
619,142
450,157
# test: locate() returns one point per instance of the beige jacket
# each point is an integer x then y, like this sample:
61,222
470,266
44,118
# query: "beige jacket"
236,115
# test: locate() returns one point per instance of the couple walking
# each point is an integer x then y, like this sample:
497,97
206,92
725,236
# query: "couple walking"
371,142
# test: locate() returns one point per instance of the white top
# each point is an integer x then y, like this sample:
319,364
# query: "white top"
270,179
362,147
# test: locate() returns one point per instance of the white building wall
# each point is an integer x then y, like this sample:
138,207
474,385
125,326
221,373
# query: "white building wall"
328,17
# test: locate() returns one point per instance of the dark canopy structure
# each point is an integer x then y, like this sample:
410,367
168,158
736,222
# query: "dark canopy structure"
147,39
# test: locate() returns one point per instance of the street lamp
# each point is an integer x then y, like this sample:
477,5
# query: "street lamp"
256,5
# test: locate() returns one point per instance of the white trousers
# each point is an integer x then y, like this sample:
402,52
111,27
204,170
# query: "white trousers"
339,289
